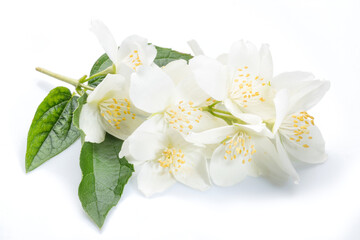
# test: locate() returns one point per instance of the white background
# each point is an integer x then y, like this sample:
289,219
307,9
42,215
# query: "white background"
310,35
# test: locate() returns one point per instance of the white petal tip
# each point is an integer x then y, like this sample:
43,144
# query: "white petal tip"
296,179
265,46
147,195
195,47
94,140
95,24
205,188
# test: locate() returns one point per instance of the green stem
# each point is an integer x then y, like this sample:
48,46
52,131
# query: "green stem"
226,116
213,105
220,111
106,71
74,82
230,118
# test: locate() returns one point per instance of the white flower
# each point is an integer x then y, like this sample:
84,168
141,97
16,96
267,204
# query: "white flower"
108,109
241,150
172,92
133,52
164,158
297,137
240,80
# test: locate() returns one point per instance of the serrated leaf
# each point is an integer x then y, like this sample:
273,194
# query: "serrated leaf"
101,64
76,117
166,55
163,57
104,177
51,130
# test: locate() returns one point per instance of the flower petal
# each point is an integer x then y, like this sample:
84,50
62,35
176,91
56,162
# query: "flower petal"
125,71
90,124
153,124
267,160
127,126
124,152
147,52
207,122
105,38
212,136
150,52
266,64
178,70
264,110
153,179
258,129
309,94
186,87
304,91
244,54
151,89
290,80
195,47
283,160
193,172
281,102
307,150
211,76
112,85
144,146
235,110
226,172
223,58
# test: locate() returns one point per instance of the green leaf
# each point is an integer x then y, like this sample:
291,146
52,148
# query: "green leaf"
76,117
166,55
51,130
101,64
104,177
163,57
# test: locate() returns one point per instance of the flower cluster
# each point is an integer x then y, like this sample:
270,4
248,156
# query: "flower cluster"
204,121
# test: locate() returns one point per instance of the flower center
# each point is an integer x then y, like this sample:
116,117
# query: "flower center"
296,128
116,110
183,116
171,158
247,89
240,146
133,60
